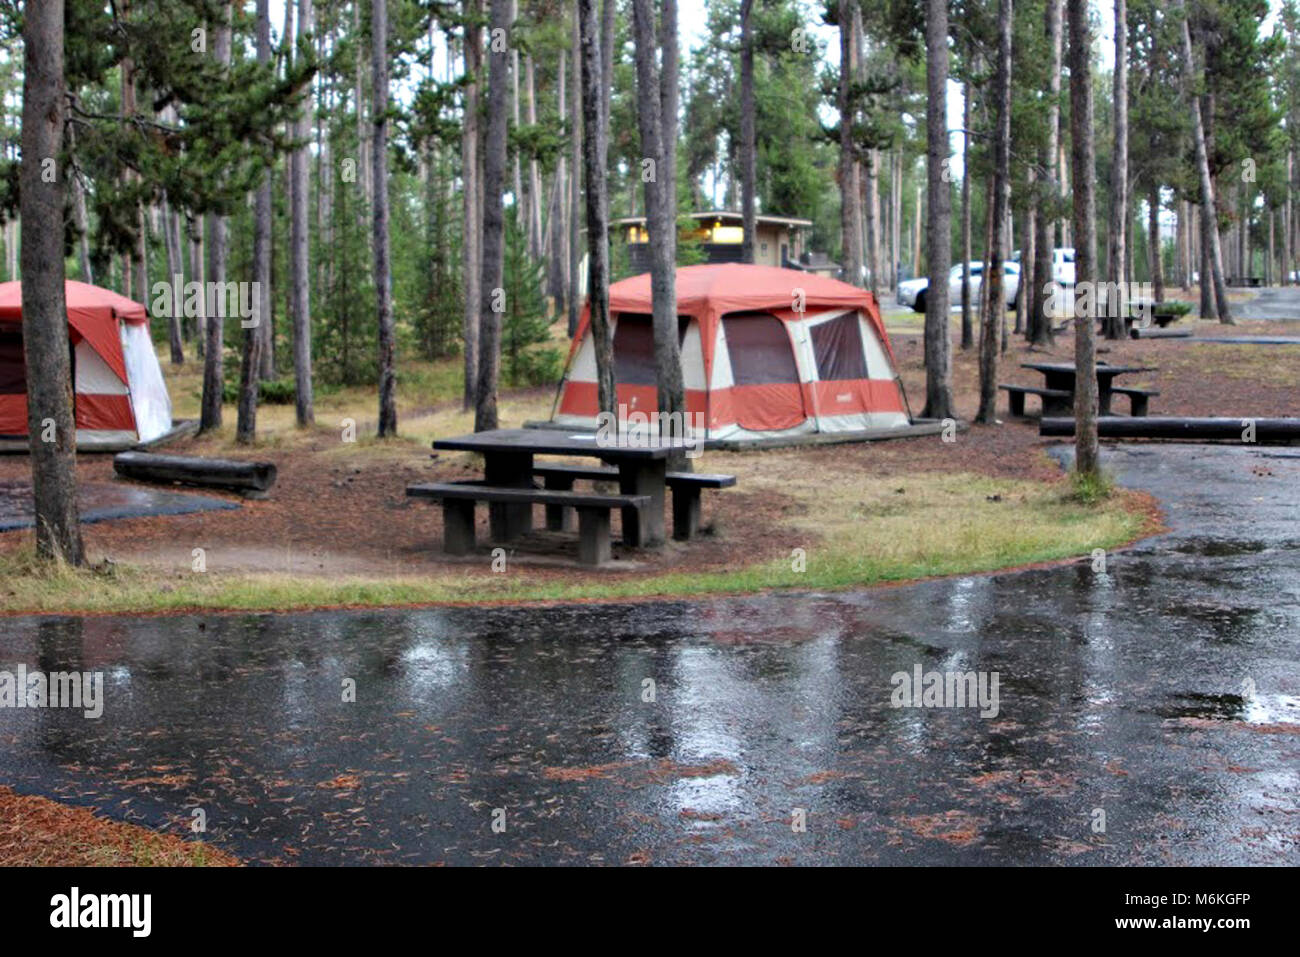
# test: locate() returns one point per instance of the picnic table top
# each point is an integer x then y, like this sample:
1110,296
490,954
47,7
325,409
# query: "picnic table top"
1102,367
555,442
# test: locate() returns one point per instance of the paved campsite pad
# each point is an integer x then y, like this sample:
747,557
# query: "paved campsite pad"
1122,690
103,501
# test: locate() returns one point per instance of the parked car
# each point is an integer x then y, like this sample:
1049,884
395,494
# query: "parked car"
912,292
1062,264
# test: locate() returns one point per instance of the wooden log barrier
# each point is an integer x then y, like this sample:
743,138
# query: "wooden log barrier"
251,478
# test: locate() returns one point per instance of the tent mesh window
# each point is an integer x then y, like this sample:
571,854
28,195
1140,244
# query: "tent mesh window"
760,349
13,372
837,345
634,348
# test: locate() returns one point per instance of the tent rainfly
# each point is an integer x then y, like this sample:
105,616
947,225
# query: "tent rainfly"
119,395
766,353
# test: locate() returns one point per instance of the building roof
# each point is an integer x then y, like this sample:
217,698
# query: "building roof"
761,218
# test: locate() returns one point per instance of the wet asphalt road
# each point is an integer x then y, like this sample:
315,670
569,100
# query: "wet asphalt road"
1162,691
1274,302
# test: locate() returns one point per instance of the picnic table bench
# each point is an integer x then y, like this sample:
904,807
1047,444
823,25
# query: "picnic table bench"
459,498
509,489
1058,394
1055,401
686,488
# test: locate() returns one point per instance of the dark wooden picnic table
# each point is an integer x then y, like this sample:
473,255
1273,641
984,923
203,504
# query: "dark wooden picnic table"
508,456
1061,375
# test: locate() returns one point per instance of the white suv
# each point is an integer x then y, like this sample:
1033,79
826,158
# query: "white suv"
912,291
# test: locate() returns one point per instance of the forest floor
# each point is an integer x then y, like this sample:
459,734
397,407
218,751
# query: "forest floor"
36,832
338,530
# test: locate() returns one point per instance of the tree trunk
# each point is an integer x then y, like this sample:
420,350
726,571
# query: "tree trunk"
850,190
299,266
1153,230
748,148
577,132
218,249
1209,226
383,278
938,340
174,270
1028,258
1041,332
657,118
1001,196
195,231
1086,455
867,177
52,434
967,330
557,258
494,182
1114,320
250,367
473,223
595,145
534,168
896,220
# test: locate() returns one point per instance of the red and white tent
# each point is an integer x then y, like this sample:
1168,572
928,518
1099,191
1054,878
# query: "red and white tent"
120,398
766,352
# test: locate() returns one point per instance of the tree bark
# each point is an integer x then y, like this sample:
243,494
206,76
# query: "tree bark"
850,189
577,133
967,330
472,234
1153,231
383,277
52,434
748,148
867,177
170,238
1040,323
938,340
1115,272
595,145
1086,455
299,266
1209,225
534,167
557,258
218,249
657,119
250,367
1001,195
494,181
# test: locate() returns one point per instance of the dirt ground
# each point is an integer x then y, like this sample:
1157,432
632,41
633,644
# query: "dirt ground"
342,509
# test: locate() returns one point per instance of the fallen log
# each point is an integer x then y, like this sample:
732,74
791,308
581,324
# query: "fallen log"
1138,332
251,478
1242,429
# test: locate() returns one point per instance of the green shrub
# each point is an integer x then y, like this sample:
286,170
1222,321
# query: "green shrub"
540,365
269,392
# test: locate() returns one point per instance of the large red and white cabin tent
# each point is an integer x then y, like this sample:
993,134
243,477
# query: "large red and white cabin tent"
119,396
766,353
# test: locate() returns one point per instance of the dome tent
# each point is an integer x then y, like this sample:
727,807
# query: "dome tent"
766,353
119,396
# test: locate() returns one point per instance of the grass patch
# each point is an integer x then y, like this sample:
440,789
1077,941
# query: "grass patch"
849,532
1090,489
